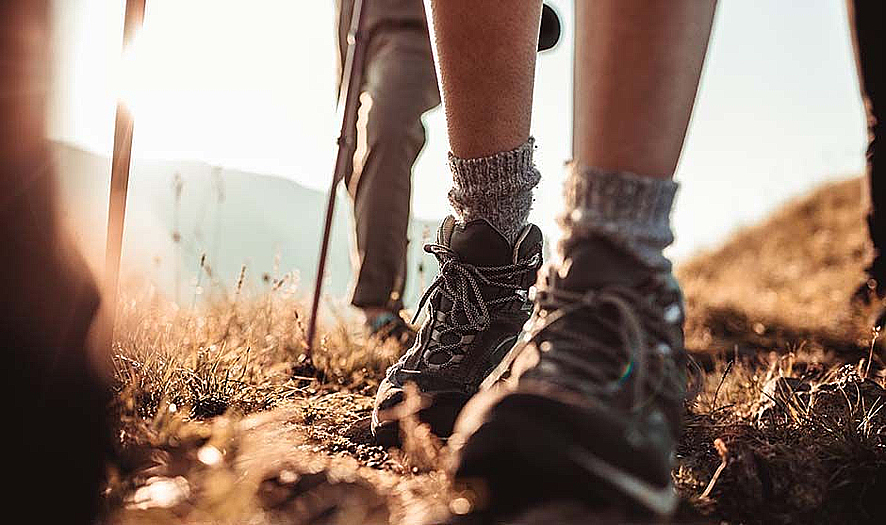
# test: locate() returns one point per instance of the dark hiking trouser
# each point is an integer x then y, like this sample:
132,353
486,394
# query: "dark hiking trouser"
54,400
868,21
399,85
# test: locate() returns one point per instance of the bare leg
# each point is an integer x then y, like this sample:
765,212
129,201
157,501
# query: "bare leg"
866,21
486,58
485,55
600,366
489,258
637,65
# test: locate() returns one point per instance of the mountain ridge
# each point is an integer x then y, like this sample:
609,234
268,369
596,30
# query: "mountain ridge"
182,212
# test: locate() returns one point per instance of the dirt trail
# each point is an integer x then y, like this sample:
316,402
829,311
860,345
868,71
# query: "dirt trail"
801,436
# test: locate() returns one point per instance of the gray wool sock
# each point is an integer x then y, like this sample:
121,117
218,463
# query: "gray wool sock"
631,211
496,188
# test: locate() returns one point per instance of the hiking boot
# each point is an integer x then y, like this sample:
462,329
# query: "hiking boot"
389,326
476,308
594,405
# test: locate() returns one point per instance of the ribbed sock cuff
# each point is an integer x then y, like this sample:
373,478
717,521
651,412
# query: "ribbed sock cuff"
629,210
497,188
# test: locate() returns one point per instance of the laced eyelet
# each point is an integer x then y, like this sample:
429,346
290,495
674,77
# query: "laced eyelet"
463,285
672,314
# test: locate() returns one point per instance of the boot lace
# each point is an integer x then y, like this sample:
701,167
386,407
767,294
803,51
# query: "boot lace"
462,285
624,339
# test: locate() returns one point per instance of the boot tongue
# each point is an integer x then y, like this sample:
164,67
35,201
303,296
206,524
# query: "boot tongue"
528,244
598,263
477,243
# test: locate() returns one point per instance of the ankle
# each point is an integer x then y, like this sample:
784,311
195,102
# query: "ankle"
629,211
497,188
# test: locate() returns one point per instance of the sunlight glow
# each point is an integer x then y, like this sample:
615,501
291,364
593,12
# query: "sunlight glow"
203,74
182,64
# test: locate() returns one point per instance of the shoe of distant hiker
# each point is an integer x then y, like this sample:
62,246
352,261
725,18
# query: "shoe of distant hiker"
476,308
872,292
873,288
388,326
594,404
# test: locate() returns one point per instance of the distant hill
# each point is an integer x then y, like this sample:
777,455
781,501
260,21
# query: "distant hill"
269,224
787,280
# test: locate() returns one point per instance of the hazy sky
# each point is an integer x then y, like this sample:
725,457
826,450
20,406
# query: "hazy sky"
253,88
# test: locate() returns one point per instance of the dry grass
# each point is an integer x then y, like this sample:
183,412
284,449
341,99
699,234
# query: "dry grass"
219,423
801,442
786,280
218,420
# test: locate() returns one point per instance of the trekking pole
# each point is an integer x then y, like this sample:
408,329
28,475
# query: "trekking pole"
135,14
348,95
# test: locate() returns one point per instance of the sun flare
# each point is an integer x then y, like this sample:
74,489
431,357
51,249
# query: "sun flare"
200,71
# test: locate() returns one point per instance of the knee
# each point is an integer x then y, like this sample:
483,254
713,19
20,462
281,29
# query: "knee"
395,126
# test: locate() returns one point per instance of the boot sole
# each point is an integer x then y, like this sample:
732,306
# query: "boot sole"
440,413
